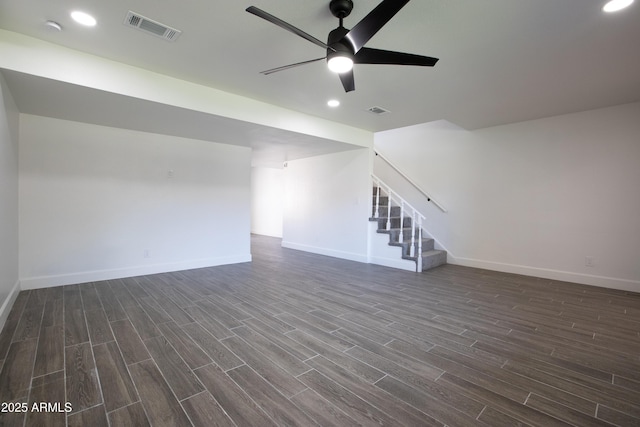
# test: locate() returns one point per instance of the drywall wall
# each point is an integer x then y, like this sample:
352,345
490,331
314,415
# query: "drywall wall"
99,202
540,197
326,204
9,286
267,198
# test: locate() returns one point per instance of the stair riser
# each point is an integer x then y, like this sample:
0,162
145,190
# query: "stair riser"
383,211
406,235
384,200
427,245
395,223
434,260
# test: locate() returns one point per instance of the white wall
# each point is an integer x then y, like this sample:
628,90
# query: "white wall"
535,197
99,202
9,286
327,202
267,198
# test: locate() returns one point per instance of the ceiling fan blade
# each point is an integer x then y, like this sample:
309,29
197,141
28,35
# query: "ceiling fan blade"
371,24
286,67
378,56
347,81
280,23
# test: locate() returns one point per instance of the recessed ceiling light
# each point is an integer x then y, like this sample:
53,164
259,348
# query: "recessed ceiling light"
83,18
333,103
616,5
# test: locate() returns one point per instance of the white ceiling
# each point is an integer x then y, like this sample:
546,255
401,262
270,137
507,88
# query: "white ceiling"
501,61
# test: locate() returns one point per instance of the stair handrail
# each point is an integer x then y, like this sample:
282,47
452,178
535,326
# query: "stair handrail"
416,219
410,181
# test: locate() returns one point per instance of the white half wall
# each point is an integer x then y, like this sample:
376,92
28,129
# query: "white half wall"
327,204
267,198
9,125
99,202
538,197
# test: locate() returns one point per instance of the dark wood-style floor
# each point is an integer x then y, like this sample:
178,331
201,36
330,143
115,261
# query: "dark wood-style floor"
300,339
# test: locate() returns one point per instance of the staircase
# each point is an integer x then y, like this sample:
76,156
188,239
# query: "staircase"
390,221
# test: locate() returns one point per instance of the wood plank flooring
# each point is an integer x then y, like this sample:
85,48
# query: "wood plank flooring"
300,339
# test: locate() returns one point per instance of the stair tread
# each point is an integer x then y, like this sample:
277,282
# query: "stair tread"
398,228
432,252
408,242
426,254
389,217
385,231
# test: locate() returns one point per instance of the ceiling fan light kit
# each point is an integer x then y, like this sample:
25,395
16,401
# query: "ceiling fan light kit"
345,47
339,63
339,55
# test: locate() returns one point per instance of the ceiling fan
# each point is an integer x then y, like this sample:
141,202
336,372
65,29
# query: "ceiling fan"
346,47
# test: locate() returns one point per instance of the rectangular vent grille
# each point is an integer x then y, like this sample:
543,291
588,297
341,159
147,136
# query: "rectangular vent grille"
377,110
152,27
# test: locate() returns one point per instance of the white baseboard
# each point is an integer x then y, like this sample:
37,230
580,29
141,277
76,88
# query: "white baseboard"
267,233
351,256
8,303
399,263
98,275
545,273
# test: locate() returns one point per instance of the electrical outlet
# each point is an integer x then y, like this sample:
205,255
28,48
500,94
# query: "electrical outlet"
589,261
146,253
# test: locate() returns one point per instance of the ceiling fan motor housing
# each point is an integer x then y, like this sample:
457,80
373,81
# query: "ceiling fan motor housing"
341,8
335,41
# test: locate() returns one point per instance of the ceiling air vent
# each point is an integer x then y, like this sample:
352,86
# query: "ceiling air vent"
377,110
152,27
